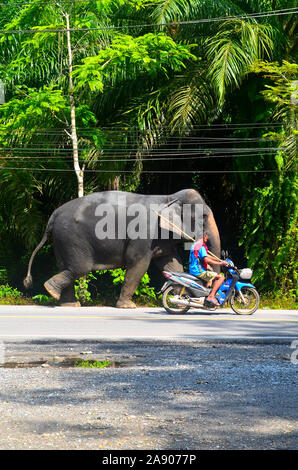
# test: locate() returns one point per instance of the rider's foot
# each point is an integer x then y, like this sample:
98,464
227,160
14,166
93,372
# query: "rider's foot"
213,300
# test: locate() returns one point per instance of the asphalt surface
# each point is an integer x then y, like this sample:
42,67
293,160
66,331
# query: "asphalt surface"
144,323
200,381
198,395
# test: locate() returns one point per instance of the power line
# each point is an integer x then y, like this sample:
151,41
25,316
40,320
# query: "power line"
263,14
145,171
47,3
194,141
113,155
56,131
142,150
128,160
116,128
171,140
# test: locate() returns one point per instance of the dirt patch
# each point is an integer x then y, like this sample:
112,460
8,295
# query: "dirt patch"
56,362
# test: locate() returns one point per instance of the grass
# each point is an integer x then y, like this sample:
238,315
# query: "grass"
278,302
17,301
92,364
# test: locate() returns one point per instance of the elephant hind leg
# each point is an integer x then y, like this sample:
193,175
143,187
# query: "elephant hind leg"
68,298
57,283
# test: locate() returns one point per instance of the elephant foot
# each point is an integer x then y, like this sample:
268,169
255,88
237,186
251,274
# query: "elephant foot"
70,304
125,304
51,290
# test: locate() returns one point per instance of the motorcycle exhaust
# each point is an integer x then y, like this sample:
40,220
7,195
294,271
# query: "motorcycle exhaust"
199,303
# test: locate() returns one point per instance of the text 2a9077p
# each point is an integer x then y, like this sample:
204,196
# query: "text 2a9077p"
171,459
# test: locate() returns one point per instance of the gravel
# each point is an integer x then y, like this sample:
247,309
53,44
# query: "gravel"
194,395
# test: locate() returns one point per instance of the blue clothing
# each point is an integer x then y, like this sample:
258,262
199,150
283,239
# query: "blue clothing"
196,259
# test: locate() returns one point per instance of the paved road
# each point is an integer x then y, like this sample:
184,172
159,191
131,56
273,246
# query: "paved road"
143,323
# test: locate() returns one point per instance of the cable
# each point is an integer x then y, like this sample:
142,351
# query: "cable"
128,160
162,155
145,171
114,28
195,126
168,141
140,149
47,3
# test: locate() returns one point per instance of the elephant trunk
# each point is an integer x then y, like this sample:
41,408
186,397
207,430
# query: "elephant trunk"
213,238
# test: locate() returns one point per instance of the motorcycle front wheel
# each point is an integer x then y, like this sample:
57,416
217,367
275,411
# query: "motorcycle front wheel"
246,301
174,291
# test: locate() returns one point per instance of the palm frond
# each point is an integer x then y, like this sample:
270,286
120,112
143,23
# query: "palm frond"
233,49
191,103
182,10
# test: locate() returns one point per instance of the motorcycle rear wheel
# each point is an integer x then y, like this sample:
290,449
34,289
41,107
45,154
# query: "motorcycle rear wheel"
246,305
171,291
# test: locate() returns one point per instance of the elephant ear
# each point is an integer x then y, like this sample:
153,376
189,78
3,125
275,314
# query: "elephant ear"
171,218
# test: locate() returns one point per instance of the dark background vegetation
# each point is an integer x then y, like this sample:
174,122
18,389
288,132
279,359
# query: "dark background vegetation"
231,89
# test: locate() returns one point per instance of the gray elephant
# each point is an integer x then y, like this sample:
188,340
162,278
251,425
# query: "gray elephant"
101,231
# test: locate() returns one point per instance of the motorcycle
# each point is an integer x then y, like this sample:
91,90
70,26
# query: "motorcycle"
182,291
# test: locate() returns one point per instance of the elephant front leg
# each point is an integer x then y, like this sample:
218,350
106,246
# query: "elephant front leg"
133,276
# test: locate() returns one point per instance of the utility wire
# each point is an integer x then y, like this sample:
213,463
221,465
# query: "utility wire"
127,160
195,126
170,141
46,148
159,152
145,171
173,23
47,3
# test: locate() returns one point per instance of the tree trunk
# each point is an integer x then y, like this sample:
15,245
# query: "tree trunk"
78,170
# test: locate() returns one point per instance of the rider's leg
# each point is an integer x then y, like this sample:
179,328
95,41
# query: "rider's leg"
217,283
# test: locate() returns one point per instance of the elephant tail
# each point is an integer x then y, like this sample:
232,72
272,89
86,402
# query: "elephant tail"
28,279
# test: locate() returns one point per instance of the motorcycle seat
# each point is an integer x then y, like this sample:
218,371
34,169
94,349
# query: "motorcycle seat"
188,276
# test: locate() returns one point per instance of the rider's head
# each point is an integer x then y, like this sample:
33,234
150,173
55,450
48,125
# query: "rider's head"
205,237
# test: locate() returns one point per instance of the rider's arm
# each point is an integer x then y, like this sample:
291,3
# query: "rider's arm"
211,260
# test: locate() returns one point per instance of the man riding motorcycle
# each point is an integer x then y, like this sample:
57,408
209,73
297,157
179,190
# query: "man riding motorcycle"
198,266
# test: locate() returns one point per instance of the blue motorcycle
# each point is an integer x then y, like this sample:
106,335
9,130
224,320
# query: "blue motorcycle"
182,291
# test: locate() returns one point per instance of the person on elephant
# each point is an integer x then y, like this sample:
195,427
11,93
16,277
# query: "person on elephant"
199,261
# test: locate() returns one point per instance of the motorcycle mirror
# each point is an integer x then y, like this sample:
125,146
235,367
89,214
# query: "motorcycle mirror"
224,254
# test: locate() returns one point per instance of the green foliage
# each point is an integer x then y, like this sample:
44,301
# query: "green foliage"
81,288
43,299
3,276
270,235
88,290
12,296
28,111
143,290
92,364
236,46
150,53
6,291
270,227
137,89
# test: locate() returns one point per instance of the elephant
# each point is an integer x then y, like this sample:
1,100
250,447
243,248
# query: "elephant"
80,246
